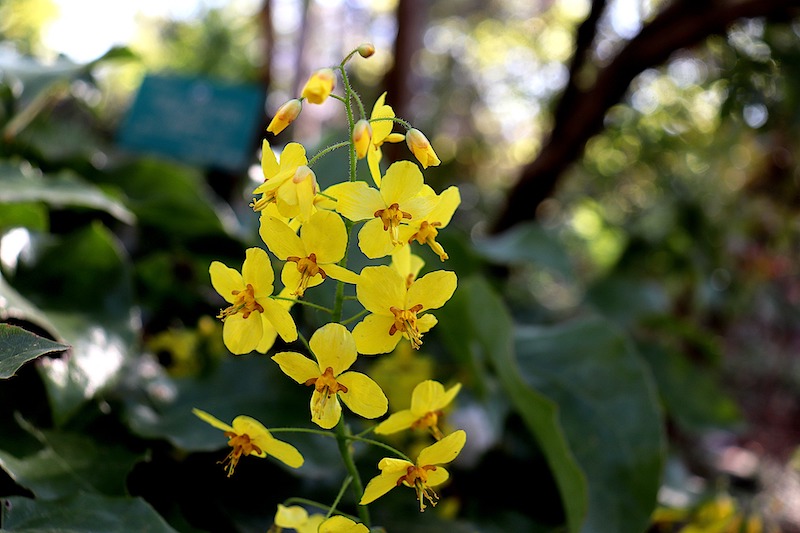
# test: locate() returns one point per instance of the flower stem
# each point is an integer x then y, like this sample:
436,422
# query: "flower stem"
342,440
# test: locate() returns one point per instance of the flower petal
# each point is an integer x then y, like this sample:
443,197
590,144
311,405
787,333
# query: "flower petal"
443,451
211,419
257,270
326,236
225,280
364,397
438,476
279,316
282,451
426,397
242,335
340,273
357,201
333,346
325,409
432,290
449,201
396,422
297,366
292,516
374,156
269,163
268,335
402,181
372,335
293,156
374,241
380,288
380,485
280,238
341,524
291,278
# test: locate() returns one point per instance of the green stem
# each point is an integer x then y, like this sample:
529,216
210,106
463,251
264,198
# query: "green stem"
353,318
349,436
343,488
303,302
325,151
342,440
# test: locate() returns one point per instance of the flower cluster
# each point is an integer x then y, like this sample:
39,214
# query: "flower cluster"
309,229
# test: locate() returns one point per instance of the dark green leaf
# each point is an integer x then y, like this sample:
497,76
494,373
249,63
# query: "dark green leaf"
13,306
82,513
18,346
24,215
526,243
608,408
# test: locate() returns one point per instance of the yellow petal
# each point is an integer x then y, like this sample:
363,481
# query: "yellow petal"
325,409
448,202
364,397
242,335
357,201
432,290
341,524
292,516
298,367
374,156
399,421
405,263
325,235
282,451
443,451
211,419
381,128
268,335
374,241
333,346
340,273
280,238
257,271
225,280
438,476
269,163
247,425
372,335
291,277
426,397
393,465
380,288
419,207
380,485
403,181
426,322
279,316
293,156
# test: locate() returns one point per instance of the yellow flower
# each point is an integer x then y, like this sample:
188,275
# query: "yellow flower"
396,310
421,147
312,256
297,518
334,349
291,184
342,524
382,126
284,116
425,230
247,436
362,137
319,86
270,334
427,403
398,201
251,306
422,476
407,264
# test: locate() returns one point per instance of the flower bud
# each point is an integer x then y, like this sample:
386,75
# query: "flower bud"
319,86
366,49
362,137
284,116
421,148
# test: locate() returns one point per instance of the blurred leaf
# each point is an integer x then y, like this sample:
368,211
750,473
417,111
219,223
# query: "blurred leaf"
81,513
65,189
486,323
32,216
14,306
18,346
526,243
70,463
626,299
609,411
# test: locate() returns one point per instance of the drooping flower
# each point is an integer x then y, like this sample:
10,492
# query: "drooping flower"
382,124
421,147
297,518
251,306
247,436
342,524
397,202
292,185
362,137
397,310
334,349
319,86
425,230
422,476
427,403
285,115
311,256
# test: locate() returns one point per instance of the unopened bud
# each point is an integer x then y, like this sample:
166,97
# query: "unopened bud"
284,116
421,148
362,137
319,86
366,49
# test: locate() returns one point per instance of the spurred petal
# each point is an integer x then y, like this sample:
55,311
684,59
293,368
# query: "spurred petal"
211,419
357,201
403,181
372,335
398,421
333,346
225,280
374,241
379,288
257,271
298,367
280,238
279,316
325,409
443,451
432,290
364,397
242,335
325,235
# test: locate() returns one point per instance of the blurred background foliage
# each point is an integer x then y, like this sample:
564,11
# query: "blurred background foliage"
626,323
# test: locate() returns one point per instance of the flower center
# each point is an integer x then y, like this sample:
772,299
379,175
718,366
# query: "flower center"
328,387
244,302
242,445
262,203
308,268
431,422
427,235
405,321
417,477
391,217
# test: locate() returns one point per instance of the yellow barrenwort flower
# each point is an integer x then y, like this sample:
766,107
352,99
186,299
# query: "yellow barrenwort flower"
247,436
396,310
427,403
284,116
290,184
422,476
312,256
382,126
334,349
244,321
297,518
342,524
398,201
424,230
421,148
362,137
319,86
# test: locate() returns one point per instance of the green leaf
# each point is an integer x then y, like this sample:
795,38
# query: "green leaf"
609,411
526,243
82,513
18,346
65,189
24,215
14,306
70,463
488,324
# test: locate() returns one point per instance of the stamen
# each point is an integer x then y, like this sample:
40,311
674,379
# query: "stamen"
308,268
392,216
405,321
244,302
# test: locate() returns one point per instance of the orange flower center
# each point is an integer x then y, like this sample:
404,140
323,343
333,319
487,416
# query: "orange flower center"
392,216
327,386
417,477
244,302
308,268
405,321
429,421
427,235
242,445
